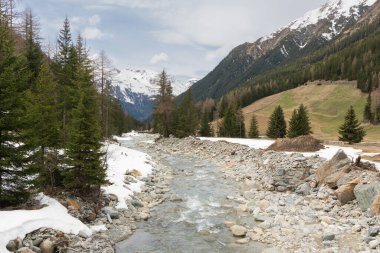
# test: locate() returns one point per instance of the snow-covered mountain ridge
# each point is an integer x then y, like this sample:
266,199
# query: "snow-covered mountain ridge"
301,36
136,88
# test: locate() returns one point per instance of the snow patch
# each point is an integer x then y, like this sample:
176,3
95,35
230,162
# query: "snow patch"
18,223
121,160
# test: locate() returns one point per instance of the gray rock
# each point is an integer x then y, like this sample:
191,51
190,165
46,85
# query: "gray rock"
328,237
47,246
374,244
37,242
238,231
281,188
261,218
111,211
136,203
365,193
303,189
11,246
373,231
368,239
35,249
83,234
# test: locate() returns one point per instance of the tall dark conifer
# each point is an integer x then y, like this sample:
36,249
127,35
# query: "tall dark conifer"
299,123
205,130
277,124
13,82
187,118
254,129
351,131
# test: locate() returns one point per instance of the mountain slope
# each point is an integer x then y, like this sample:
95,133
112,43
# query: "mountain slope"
136,89
302,36
325,117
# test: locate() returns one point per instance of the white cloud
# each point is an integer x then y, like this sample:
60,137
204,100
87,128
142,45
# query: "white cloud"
94,33
159,58
94,20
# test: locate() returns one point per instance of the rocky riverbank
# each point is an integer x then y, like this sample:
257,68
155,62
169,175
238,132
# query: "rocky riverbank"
294,209
297,203
110,225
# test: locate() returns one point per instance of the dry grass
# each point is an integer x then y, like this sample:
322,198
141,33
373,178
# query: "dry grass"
299,144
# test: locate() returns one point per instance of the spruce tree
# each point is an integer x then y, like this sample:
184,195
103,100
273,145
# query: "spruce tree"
187,118
299,123
205,130
351,131
42,131
228,126
164,112
85,170
240,126
277,124
14,182
368,116
254,129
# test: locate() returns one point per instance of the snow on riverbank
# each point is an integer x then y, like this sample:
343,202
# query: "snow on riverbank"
326,153
121,160
18,223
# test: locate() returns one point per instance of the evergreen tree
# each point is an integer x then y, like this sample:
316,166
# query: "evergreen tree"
85,170
368,116
254,129
187,118
277,124
205,130
13,79
299,123
164,111
351,131
228,126
65,68
42,131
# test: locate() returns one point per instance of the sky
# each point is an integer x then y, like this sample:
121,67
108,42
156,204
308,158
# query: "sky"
184,37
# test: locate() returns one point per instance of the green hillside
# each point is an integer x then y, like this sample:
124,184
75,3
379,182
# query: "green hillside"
326,103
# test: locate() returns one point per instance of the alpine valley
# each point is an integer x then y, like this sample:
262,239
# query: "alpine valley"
338,24
136,89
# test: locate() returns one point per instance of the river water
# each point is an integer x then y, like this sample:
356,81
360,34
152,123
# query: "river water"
195,224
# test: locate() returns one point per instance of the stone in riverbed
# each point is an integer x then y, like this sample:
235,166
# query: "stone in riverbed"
365,193
11,245
111,211
37,242
345,193
47,246
303,189
238,231
328,237
373,231
374,244
35,249
25,250
375,206
243,241
229,224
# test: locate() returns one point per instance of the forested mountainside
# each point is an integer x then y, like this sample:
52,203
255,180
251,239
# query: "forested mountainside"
309,35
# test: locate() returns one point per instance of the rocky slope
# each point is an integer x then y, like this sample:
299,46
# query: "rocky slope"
304,35
136,89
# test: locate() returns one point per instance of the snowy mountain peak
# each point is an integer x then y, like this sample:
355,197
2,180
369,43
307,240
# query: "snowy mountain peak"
333,9
136,88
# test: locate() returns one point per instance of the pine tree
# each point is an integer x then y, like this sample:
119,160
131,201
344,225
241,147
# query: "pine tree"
85,171
299,123
228,124
205,130
277,124
351,131
65,69
164,111
42,131
13,77
240,126
368,116
254,129
187,118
